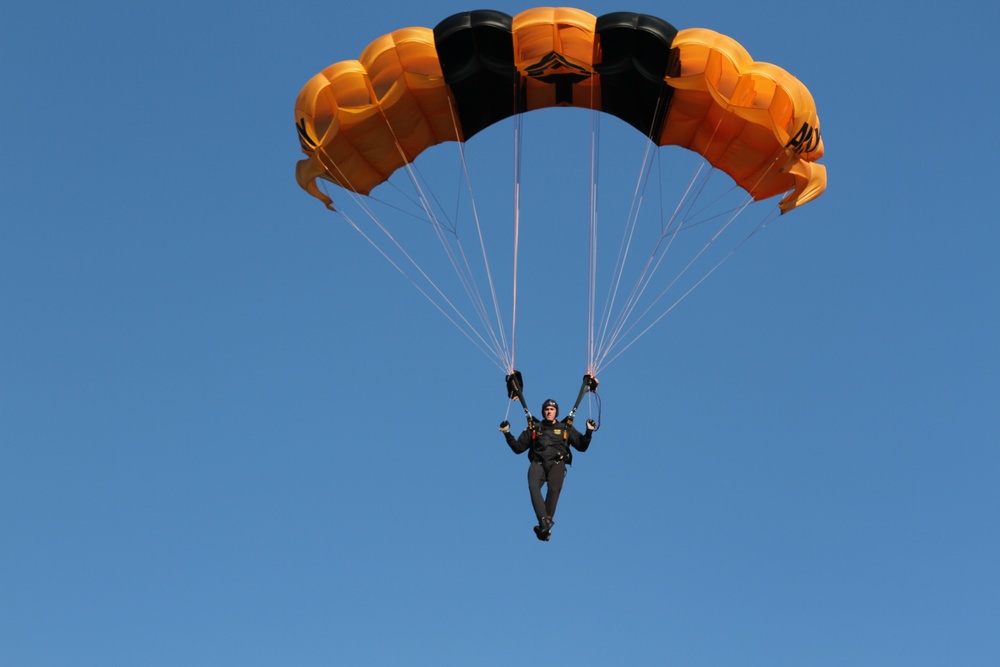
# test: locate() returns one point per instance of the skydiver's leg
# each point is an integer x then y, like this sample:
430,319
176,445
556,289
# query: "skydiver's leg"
536,477
557,473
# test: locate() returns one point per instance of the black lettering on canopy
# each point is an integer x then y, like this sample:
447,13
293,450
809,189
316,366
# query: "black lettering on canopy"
805,140
304,138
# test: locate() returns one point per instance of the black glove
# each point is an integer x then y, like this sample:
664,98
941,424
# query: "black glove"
505,426
591,425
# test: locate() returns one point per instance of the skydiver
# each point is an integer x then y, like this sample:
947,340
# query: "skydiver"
548,445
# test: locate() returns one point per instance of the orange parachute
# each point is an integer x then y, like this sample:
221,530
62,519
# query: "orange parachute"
361,120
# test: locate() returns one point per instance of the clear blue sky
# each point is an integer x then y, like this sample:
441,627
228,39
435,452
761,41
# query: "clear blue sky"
230,434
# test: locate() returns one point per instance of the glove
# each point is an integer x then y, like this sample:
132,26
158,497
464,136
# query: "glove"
504,426
591,425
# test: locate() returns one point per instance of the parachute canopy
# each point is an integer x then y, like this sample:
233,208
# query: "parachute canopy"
361,120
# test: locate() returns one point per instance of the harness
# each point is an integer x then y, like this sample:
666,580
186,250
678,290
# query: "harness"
538,448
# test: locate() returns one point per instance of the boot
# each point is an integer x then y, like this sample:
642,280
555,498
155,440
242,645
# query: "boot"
545,526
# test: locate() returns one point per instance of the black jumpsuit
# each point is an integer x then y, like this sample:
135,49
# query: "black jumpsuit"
549,453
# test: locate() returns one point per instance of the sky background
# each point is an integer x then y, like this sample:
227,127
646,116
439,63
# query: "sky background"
232,435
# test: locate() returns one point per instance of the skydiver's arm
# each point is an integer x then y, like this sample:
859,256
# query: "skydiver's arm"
519,444
581,441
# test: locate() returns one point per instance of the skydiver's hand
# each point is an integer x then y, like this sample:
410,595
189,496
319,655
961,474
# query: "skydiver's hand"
591,425
504,426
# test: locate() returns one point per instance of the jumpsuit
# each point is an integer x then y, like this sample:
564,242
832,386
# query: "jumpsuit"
548,449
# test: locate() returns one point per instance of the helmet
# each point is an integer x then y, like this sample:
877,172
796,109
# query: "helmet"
548,403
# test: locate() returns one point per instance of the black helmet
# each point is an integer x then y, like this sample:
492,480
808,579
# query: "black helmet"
552,403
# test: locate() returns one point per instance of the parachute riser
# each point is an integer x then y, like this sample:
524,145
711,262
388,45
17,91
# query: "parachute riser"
515,389
589,384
